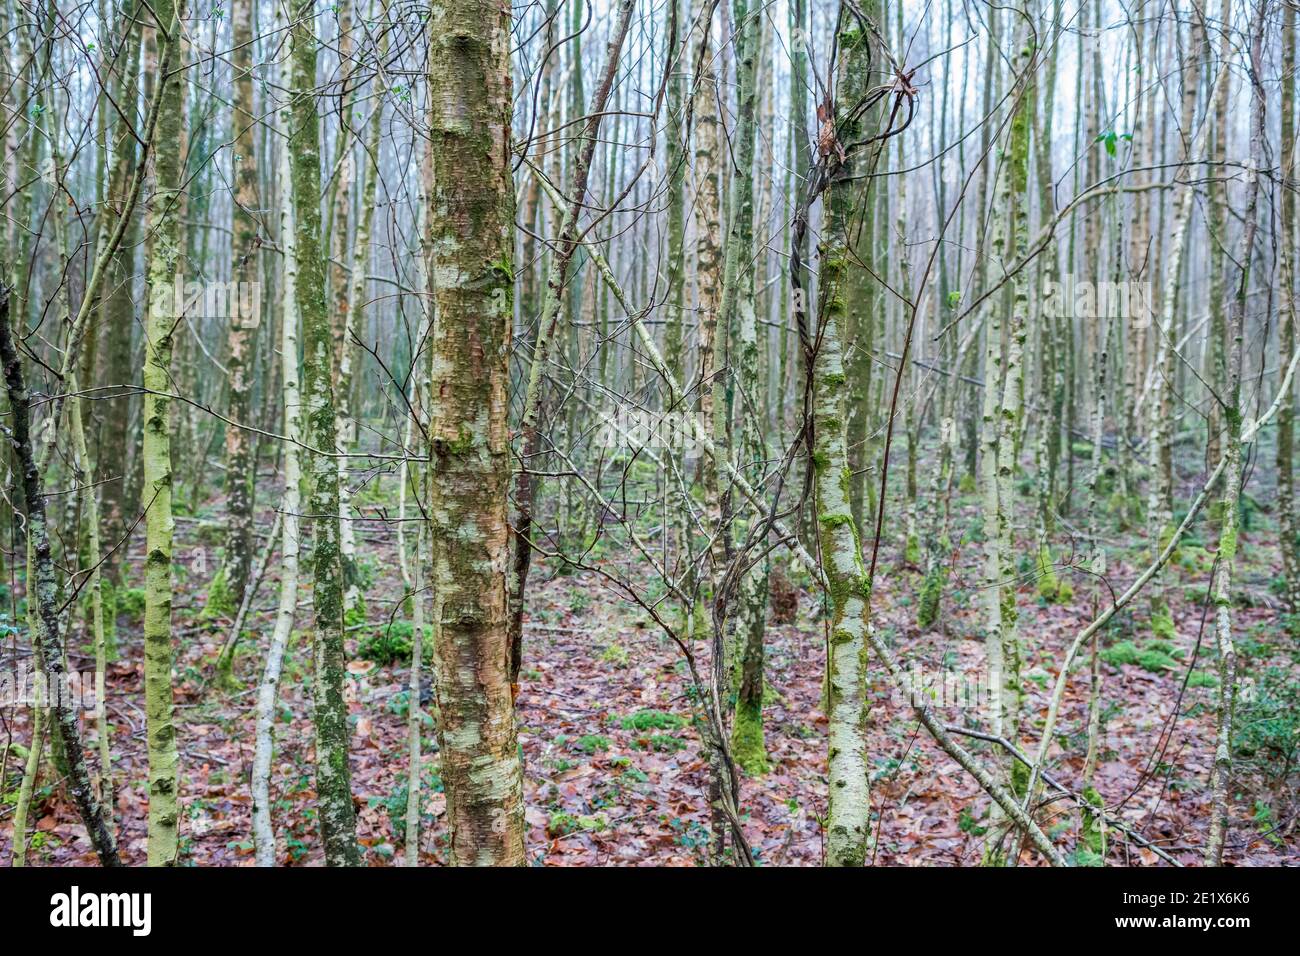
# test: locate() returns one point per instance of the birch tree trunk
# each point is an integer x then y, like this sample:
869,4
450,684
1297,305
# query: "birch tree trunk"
471,220
1160,496
414,568
337,815
708,235
1288,532
1003,379
1232,413
861,295
164,225
848,584
352,299
290,505
240,469
341,245
744,662
678,56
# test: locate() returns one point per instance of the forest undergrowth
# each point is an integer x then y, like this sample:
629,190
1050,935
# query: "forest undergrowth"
614,769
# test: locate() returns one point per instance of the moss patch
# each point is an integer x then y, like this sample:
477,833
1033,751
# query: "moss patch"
1155,656
912,550
220,602
1162,623
747,744
1092,835
927,611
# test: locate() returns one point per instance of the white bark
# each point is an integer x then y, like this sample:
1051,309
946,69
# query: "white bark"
264,743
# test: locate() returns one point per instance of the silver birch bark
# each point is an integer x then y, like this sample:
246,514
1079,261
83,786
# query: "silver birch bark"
164,225
1232,413
290,506
337,815
471,219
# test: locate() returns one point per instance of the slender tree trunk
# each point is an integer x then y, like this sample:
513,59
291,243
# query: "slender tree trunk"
862,300
290,506
1216,369
337,815
117,315
164,225
848,583
705,110
31,770
1003,379
414,706
708,236
95,585
1288,531
1160,497
534,217
1232,413
343,245
353,300
240,470
1051,390
471,216
47,641
677,58
743,664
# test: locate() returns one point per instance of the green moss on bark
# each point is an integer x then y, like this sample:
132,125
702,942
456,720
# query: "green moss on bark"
220,602
747,743
1092,836
927,612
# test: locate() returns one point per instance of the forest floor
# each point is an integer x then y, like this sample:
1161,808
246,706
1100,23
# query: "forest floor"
614,772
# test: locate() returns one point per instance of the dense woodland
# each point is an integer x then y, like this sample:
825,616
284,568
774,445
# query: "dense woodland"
669,432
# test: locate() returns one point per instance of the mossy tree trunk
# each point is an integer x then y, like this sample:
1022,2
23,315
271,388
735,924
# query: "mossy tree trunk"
745,661
1003,400
89,505
861,293
337,816
470,221
117,315
1288,535
165,228
678,55
1232,415
242,328
847,580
